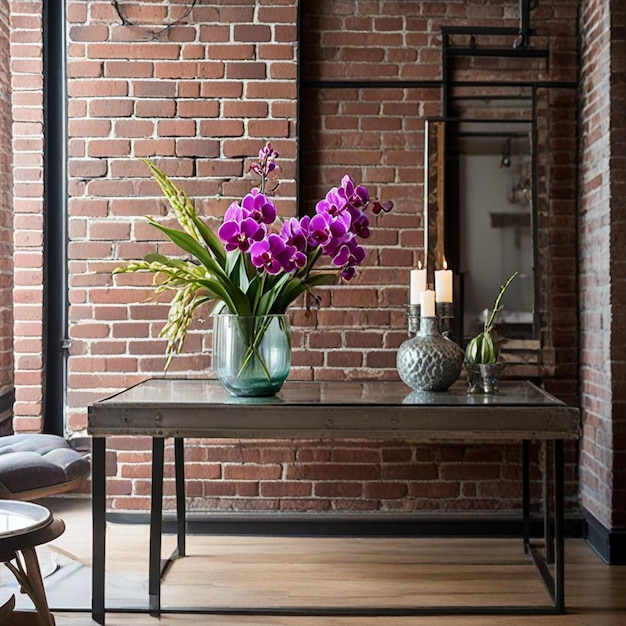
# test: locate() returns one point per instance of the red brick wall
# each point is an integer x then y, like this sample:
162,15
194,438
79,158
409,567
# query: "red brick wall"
6,208
201,98
618,256
27,99
595,262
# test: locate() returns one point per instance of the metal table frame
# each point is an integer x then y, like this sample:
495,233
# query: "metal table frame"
521,412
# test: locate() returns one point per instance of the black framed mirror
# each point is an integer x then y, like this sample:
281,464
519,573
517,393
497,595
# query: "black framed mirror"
480,207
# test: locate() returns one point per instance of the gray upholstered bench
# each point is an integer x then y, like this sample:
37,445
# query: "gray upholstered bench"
37,465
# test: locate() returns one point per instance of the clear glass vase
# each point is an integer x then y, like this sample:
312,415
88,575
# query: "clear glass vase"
251,354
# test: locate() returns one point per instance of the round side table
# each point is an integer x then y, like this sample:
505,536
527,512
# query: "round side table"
23,526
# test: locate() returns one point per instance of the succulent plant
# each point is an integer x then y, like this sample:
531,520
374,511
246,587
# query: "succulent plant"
484,347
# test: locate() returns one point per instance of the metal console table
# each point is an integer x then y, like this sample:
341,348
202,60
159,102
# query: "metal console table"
178,408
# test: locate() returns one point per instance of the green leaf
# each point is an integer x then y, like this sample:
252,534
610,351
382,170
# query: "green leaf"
472,349
297,286
189,244
211,240
272,292
487,353
155,257
237,302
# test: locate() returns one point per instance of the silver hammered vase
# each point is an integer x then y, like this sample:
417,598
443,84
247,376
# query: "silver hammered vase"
429,361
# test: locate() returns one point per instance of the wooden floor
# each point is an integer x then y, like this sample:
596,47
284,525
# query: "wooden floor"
280,571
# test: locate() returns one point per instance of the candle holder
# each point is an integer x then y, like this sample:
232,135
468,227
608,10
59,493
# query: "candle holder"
429,361
445,313
413,319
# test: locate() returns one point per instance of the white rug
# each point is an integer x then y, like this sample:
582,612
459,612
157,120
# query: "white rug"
68,584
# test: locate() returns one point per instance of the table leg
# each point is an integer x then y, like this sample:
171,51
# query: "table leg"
156,526
98,520
179,470
547,512
526,494
559,514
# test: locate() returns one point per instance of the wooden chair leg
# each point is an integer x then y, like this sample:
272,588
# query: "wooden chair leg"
6,608
31,583
38,595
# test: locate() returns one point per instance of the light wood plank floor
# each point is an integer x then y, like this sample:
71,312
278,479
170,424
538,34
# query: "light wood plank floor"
279,571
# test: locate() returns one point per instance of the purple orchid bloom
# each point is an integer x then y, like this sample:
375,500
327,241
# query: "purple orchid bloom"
240,235
333,204
238,230
292,259
340,233
377,207
349,255
295,234
234,213
266,164
360,225
356,197
271,254
259,207
348,272
318,229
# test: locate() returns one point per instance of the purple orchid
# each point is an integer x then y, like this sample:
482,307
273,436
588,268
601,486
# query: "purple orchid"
349,255
239,230
266,164
360,225
271,254
259,207
385,207
356,196
317,229
334,231
333,204
240,235
292,259
294,232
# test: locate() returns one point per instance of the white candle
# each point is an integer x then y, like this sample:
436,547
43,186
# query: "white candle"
427,303
443,284
418,284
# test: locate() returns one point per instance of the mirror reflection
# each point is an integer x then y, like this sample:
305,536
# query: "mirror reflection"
486,192
495,218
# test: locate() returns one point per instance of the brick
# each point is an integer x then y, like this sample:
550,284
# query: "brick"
252,32
245,109
198,108
176,128
222,128
124,69
222,89
197,148
133,128
227,52
245,70
268,128
155,108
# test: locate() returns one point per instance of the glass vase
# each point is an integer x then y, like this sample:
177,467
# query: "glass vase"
251,354
429,361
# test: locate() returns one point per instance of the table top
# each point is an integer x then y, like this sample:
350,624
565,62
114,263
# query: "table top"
333,409
18,518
